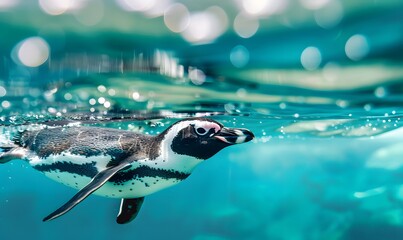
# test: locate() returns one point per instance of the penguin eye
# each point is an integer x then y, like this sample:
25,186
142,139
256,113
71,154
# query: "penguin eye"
201,131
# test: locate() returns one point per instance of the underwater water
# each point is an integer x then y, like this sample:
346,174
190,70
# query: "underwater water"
319,83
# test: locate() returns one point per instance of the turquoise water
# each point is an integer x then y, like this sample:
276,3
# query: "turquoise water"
320,84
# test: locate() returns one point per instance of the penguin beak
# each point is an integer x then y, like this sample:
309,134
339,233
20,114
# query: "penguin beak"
234,135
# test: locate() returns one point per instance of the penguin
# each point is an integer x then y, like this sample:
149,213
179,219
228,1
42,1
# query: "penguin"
118,163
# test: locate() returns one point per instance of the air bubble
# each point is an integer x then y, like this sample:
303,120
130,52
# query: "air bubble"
197,76
92,101
68,96
107,104
101,100
380,92
282,105
367,107
101,88
241,92
136,96
111,92
5,104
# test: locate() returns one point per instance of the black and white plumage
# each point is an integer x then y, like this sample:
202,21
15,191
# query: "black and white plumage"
121,164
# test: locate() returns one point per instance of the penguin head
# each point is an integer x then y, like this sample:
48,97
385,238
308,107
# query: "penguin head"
201,138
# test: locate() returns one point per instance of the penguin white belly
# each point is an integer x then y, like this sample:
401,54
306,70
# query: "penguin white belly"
135,188
77,171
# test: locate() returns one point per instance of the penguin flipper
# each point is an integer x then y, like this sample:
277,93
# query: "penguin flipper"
129,208
9,153
100,179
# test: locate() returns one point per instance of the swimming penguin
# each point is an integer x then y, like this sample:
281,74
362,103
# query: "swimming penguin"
121,164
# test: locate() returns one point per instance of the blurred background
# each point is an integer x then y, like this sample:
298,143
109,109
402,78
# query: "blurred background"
257,46
319,82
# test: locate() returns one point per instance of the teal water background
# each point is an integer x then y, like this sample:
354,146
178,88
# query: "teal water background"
320,84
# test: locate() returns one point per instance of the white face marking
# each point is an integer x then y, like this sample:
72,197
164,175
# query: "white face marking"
207,126
171,160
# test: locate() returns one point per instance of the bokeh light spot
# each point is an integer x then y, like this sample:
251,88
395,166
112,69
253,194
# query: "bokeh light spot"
33,52
101,88
136,96
197,76
239,56
254,7
55,7
112,92
263,7
136,5
357,47
330,15
176,17
101,100
314,4
331,71
3,91
5,104
5,4
311,58
92,101
107,104
206,26
91,14
380,92
68,96
245,26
